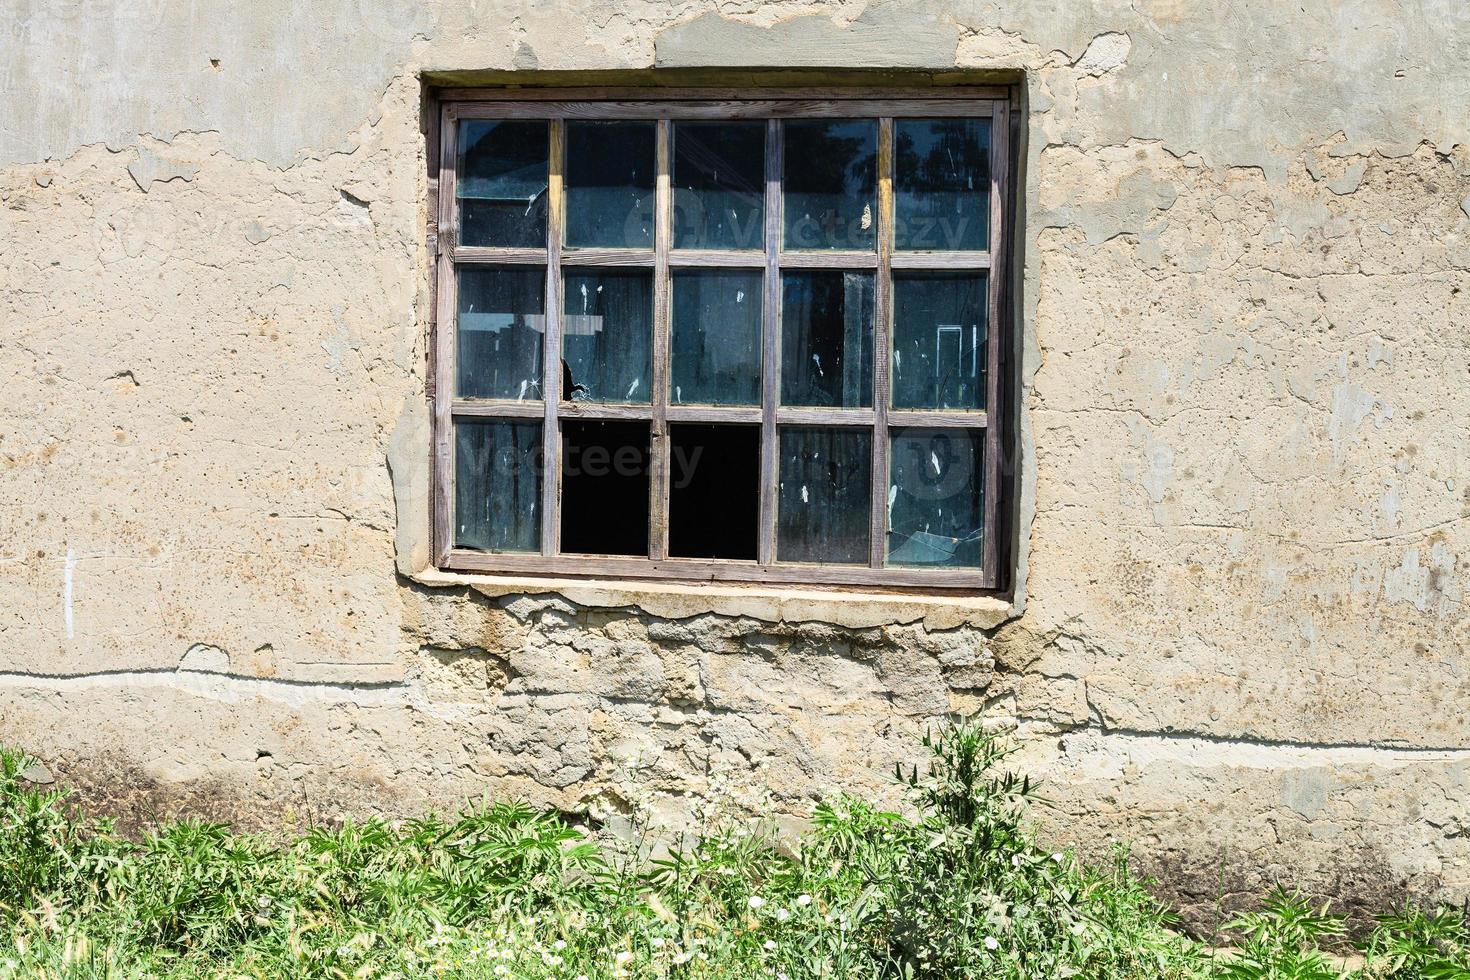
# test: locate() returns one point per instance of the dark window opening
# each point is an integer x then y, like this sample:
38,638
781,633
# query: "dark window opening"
714,491
604,488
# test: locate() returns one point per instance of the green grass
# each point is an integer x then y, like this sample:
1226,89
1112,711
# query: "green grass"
959,889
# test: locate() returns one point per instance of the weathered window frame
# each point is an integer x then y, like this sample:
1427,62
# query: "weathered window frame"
666,106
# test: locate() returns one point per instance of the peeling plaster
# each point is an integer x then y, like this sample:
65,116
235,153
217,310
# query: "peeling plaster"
1244,273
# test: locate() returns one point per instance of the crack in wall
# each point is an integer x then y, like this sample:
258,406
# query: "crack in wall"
1099,745
228,688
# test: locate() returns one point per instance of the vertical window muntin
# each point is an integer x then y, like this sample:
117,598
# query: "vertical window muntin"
664,257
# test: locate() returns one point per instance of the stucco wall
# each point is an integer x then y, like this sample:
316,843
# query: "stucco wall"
1239,634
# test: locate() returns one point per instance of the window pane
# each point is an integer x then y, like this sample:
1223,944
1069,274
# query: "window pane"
935,497
939,340
827,339
719,184
610,169
607,335
830,179
497,486
501,324
604,488
941,183
714,490
717,337
500,182
824,495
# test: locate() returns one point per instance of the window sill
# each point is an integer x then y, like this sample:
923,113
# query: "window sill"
680,600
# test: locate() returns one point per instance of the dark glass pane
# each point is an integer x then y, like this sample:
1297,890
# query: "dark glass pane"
714,490
935,497
830,169
610,170
941,179
825,495
500,331
827,339
604,488
500,182
939,340
607,334
717,337
719,184
497,486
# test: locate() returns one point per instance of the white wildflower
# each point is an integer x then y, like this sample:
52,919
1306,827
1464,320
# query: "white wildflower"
769,944
803,900
991,943
755,901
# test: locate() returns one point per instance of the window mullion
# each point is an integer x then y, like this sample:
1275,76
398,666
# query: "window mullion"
771,347
658,484
551,359
882,316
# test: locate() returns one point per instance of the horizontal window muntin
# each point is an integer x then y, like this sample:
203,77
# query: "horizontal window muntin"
685,309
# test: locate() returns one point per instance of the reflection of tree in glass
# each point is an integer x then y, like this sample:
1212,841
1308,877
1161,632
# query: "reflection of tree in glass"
947,158
942,182
822,161
830,176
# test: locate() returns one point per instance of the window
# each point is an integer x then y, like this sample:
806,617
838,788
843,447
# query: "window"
756,341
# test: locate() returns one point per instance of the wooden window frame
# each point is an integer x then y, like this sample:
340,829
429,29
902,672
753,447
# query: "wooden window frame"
665,106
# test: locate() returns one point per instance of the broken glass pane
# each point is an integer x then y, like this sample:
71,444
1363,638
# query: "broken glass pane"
604,487
827,339
830,183
497,485
941,183
500,183
607,333
610,170
719,184
939,340
716,337
714,490
501,325
824,495
935,498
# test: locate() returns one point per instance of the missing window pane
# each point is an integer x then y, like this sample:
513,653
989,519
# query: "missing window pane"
827,339
935,498
501,182
719,184
501,327
609,194
497,486
714,491
830,183
606,335
824,497
716,338
604,488
939,328
941,183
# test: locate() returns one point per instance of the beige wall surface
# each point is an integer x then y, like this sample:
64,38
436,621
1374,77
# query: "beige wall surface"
1239,637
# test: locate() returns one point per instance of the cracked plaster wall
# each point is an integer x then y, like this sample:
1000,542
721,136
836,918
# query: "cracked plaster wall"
1240,635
